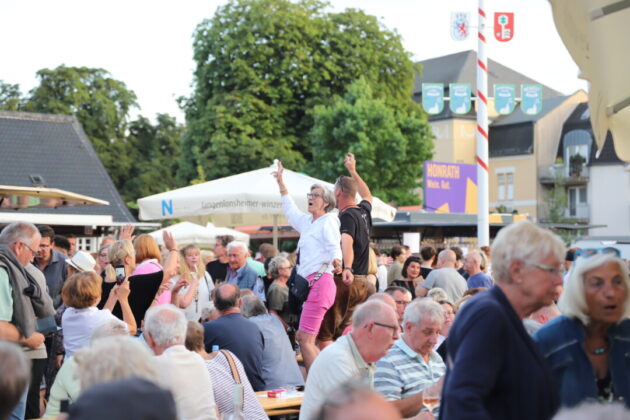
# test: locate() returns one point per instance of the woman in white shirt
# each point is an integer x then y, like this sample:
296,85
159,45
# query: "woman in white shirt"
319,249
81,293
194,296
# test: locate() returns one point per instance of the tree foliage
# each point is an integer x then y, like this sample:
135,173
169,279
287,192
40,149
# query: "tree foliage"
262,67
141,158
389,144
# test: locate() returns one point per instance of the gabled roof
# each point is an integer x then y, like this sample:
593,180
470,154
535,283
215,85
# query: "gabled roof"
461,68
53,150
580,120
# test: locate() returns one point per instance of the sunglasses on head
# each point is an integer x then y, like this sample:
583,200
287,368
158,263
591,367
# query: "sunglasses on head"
589,252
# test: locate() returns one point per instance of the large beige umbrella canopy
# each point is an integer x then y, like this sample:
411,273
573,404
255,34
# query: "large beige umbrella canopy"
597,35
250,198
187,233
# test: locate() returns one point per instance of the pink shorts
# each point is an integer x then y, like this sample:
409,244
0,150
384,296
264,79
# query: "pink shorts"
320,299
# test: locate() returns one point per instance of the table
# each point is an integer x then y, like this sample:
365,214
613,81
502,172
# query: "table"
278,406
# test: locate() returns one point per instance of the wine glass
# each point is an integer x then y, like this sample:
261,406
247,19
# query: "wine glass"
431,395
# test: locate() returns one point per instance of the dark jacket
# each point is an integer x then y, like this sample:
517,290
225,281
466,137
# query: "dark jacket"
561,342
494,369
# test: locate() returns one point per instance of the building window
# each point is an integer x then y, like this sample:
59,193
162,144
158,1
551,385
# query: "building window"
577,202
505,182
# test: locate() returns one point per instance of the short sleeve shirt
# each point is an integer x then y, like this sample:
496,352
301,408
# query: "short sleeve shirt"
6,298
357,222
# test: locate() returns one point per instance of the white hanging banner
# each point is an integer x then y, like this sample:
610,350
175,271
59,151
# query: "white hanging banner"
460,25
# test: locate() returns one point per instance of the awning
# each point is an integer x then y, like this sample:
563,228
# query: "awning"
17,198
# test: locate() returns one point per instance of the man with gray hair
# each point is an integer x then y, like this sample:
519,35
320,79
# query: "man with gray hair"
279,368
240,273
14,378
446,277
180,370
374,330
411,365
22,300
474,264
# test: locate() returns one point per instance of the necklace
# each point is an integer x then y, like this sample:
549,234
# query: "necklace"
599,351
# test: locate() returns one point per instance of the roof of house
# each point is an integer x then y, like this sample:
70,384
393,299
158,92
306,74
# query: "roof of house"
53,151
580,120
461,67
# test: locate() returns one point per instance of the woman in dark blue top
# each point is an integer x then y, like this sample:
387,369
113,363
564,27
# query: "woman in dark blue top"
588,348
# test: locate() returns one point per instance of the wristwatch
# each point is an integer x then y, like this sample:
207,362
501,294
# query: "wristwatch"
349,268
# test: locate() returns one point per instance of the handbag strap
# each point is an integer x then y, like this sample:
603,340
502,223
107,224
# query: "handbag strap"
230,359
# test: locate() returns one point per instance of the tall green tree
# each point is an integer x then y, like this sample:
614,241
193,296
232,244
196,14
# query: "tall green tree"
156,153
100,103
262,65
389,143
10,97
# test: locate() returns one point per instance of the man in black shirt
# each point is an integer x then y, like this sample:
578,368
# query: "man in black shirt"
218,268
356,224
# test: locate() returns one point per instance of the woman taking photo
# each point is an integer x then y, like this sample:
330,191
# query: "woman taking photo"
588,346
195,296
411,276
319,251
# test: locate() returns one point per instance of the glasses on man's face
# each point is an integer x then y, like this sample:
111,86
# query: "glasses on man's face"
556,271
394,328
285,268
313,195
29,248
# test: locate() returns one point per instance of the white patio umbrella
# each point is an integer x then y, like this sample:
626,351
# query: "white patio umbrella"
597,34
250,198
186,233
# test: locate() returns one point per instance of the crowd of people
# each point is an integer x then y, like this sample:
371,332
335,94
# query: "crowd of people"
522,330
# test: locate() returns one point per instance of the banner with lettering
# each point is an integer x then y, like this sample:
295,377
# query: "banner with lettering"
504,98
531,99
433,98
450,187
460,97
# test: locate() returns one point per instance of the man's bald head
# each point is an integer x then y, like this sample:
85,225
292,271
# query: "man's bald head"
384,297
446,258
226,297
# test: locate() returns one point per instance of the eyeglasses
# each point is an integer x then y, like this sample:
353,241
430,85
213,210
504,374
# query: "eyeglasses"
313,195
556,271
391,327
29,248
284,268
589,252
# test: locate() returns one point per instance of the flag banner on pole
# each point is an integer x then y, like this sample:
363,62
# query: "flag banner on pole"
460,97
460,25
531,99
433,98
503,26
504,98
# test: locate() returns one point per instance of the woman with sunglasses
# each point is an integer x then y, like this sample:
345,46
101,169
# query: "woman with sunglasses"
588,347
319,252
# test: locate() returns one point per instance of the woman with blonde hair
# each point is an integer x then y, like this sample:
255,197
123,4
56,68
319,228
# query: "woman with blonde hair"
80,294
587,347
192,287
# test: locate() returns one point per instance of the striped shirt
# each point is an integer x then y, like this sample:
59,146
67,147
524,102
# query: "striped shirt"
222,381
403,373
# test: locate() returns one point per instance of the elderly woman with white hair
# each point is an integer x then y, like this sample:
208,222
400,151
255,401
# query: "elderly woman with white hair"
319,255
588,347
494,369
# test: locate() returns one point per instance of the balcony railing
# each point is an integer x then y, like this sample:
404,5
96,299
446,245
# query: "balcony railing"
571,175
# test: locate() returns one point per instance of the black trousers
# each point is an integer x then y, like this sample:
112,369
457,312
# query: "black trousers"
38,367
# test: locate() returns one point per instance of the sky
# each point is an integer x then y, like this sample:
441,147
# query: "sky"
148,44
